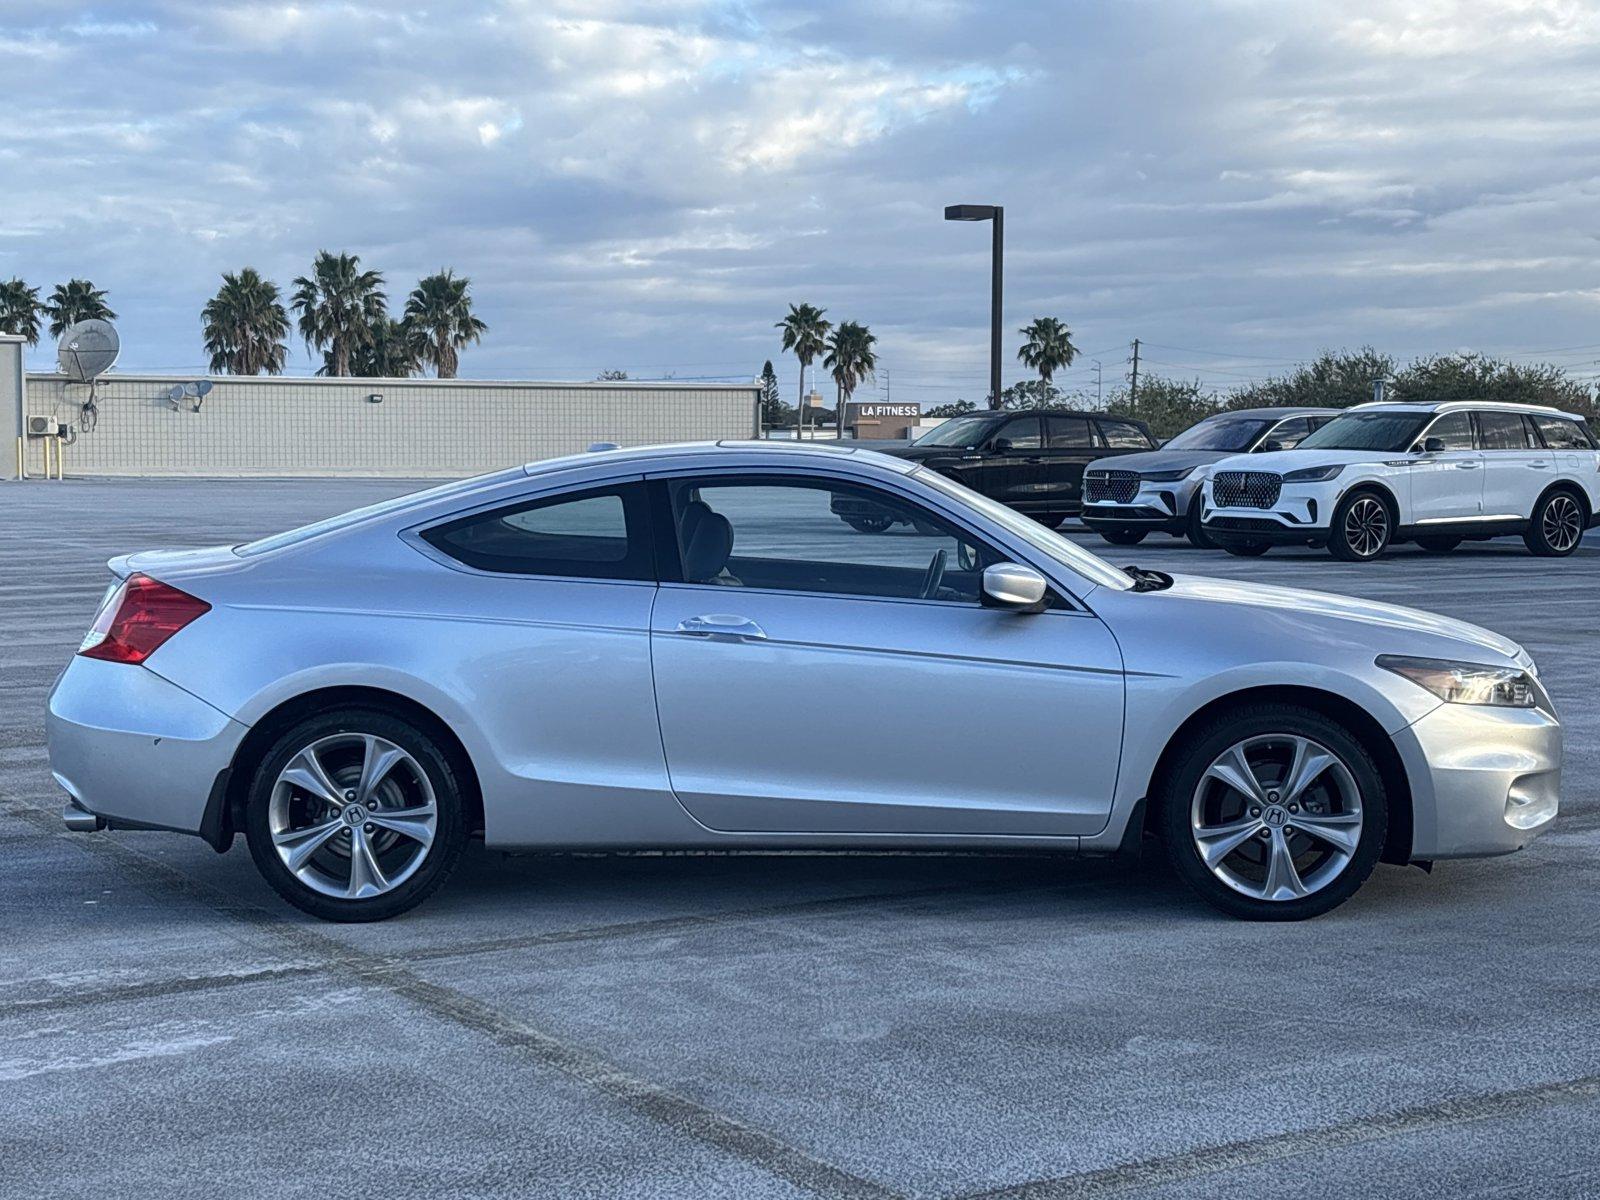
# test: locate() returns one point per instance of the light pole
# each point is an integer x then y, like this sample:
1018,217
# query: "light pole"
996,214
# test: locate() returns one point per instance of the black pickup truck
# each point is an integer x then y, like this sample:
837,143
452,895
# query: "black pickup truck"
1031,461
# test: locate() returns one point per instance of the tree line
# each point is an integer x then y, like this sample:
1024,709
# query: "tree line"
340,310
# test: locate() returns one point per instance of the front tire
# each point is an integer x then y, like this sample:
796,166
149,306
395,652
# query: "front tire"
1273,813
1124,537
1556,527
1363,526
1247,549
355,815
1198,537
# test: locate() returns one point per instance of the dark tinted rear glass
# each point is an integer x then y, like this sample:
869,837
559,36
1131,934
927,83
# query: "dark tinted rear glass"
589,535
1120,435
1563,435
1503,431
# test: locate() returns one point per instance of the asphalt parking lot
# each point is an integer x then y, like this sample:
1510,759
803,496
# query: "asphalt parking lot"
857,1026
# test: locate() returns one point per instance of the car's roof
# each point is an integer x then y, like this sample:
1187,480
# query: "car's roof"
1287,410
1444,406
648,457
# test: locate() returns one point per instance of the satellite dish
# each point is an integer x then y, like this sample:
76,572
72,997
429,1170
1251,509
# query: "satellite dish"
203,388
175,393
192,390
87,349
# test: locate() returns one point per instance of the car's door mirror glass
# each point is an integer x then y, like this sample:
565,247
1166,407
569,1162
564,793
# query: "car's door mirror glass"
1433,445
1014,586
1270,445
1001,445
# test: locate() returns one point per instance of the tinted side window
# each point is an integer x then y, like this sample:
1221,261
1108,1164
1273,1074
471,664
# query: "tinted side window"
1069,433
1562,435
803,535
1120,435
601,534
1454,429
1288,434
1022,433
1502,431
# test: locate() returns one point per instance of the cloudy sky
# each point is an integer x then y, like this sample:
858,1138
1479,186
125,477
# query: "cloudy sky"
645,185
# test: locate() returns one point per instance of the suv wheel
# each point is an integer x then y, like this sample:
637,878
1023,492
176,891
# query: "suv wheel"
1198,537
1439,545
878,524
1124,537
1362,527
355,815
1274,813
1557,525
1247,549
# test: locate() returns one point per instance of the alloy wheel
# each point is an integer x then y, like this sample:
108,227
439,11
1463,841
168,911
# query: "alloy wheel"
352,815
1562,523
1276,817
1366,526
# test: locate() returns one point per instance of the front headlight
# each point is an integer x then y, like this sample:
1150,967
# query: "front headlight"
1470,683
1313,474
1167,476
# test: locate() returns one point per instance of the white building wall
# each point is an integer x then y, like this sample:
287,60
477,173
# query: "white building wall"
449,428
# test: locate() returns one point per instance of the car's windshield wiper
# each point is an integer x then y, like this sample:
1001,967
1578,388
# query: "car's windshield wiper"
1148,581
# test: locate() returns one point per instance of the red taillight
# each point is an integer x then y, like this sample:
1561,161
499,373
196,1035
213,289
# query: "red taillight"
142,615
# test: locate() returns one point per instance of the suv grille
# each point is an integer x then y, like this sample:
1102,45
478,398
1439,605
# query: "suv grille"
1245,489
1119,487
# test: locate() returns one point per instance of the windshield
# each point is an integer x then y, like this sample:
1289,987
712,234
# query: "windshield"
1391,431
1090,567
960,432
294,536
1219,433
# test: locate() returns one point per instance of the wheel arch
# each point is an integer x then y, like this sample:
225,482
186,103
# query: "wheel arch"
225,809
1573,488
1383,491
1362,724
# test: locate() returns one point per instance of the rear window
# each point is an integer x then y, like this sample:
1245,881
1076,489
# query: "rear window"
355,516
1563,435
1504,431
590,535
1120,435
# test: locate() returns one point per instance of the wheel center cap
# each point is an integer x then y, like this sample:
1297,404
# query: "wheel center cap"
355,814
1276,816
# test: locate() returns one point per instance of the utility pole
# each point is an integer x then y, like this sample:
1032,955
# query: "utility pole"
1099,385
1133,388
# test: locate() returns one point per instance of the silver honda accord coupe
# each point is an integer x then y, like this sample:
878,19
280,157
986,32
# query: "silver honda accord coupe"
685,647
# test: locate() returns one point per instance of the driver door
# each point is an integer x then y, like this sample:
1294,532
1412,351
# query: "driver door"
813,679
1447,484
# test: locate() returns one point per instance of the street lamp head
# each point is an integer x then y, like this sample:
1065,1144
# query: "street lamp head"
970,212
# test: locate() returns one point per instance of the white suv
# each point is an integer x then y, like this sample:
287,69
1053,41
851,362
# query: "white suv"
1434,474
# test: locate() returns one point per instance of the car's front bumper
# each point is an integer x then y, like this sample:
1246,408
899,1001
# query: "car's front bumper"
1156,505
1299,517
1483,780
135,750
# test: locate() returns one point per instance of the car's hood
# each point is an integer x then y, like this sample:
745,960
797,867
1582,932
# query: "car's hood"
1282,461
163,563
918,453
1159,460
1426,634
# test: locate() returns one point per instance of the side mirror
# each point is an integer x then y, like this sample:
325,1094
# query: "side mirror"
1001,445
1014,586
1268,446
1431,445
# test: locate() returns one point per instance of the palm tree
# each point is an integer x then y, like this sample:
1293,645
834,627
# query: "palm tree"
19,310
74,301
339,304
805,333
387,356
850,360
439,321
245,326
1048,348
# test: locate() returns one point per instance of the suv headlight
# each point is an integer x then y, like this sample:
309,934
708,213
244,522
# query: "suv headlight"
1313,474
1167,476
1470,683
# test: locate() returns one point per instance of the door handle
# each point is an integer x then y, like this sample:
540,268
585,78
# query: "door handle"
723,625
1468,466
1541,465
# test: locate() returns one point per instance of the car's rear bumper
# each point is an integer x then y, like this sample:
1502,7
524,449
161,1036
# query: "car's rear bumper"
135,750
1483,780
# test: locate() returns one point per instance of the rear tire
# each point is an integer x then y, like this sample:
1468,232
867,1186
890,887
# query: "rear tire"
1438,545
355,815
1198,537
1246,549
1556,528
1302,833
1362,528
869,524
1124,537
1050,520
